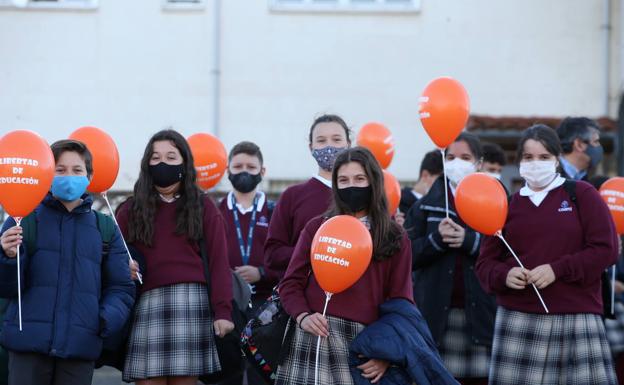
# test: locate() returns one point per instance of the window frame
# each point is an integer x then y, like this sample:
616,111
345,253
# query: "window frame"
170,5
344,6
79,5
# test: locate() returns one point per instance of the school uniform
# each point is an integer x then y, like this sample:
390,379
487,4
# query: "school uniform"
408,198
578,239
348,312
238,247
172,332
296,206
459,313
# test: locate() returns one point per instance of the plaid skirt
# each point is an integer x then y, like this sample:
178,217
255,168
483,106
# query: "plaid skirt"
461,357
615,330
298,365
561,349
172,334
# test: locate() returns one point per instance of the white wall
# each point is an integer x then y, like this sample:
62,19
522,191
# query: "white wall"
132,68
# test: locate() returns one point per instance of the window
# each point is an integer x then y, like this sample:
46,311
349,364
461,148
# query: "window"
50,4
184,4
392,6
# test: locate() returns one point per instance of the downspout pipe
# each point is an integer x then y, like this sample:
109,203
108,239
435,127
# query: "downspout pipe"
607,27
216,69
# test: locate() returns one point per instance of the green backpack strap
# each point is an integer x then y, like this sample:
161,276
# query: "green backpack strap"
106,226
29,232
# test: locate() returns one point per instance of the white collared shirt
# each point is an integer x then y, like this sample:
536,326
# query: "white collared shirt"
537,197
326,182
243,211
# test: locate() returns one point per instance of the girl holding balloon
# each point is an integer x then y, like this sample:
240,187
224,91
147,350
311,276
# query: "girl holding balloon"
565,245
172,340
459,313
358,190
328,137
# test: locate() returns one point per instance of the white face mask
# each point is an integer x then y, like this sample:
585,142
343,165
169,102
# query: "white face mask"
494,175
457,169
538,173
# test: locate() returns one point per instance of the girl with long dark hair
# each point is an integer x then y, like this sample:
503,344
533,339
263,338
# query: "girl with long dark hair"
172,340
357,190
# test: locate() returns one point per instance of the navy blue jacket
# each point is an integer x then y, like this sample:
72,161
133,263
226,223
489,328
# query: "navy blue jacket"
71,297
433,264
400,336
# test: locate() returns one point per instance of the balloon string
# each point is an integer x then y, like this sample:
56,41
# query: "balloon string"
18,221
499,235
445,182
318,342
120,233
613,290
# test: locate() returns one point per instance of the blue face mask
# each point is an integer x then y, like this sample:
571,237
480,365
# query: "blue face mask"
69,188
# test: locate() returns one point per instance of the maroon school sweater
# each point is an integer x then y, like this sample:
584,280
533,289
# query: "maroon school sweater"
296,206
174,259
381,281
578,251
264,286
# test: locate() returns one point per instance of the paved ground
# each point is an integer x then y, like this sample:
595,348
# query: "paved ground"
109,376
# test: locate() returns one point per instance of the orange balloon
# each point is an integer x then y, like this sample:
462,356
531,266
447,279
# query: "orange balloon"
210,159
26,171
612,192
341,252
378,139
393,191
481,203
444,109
105,157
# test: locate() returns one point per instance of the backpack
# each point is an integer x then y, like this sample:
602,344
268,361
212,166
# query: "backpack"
570,187
105,226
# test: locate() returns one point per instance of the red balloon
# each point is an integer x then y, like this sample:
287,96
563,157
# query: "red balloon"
393,191
444,110
105,157
481,203
341,252
210,159
378,139
612,192
26,171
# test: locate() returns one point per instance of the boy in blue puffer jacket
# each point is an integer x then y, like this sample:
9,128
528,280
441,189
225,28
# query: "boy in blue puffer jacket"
73,294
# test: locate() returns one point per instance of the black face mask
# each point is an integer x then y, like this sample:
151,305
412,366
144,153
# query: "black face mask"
244,181
164,175
357,198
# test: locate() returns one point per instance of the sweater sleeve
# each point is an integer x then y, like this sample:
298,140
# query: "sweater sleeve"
292,288
278,250
493,265
218,265
399,284
599,239
426,245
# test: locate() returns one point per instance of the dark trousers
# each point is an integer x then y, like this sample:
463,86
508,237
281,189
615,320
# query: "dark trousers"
38,369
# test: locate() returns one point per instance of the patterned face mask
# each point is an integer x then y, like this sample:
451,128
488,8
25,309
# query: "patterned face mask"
326,156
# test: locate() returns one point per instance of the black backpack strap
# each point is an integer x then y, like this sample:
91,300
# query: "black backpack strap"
570,187
270,208
106,227
29,231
